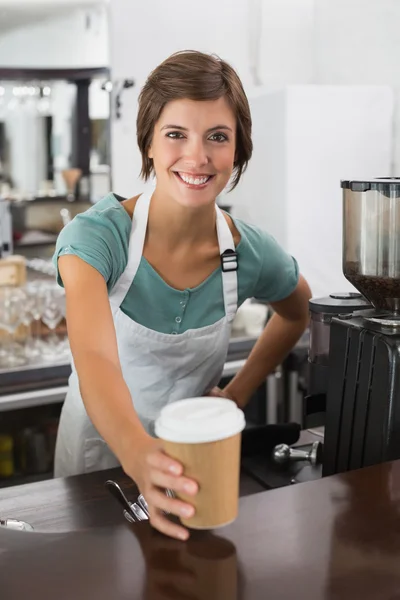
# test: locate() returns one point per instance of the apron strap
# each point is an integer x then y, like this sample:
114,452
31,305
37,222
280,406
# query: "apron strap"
135,250
229,263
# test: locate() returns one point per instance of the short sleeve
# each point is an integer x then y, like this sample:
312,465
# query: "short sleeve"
98,236
279,274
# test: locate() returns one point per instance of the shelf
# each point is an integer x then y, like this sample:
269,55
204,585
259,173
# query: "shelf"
56,373
41,397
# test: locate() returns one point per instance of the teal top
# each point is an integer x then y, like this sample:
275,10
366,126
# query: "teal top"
100,237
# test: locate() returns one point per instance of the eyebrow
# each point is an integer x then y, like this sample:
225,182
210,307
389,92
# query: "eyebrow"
180,128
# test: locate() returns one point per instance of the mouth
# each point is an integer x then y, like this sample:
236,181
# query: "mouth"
193,181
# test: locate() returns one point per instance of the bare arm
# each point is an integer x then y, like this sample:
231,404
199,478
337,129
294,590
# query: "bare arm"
282,332
107,398
93,342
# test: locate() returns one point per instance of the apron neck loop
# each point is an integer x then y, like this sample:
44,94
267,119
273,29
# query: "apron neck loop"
229,257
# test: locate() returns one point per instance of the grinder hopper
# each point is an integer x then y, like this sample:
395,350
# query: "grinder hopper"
371,240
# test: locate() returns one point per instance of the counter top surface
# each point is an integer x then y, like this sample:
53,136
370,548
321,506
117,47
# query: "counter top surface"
336,538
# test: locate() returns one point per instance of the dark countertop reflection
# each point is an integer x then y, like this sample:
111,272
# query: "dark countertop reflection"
120,563
336,538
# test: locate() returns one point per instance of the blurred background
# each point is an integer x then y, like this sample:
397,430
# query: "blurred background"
323,83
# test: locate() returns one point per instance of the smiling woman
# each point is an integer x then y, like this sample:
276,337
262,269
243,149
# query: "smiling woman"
194,154
153,284
210,80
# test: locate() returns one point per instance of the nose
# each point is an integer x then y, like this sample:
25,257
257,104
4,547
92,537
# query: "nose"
196,155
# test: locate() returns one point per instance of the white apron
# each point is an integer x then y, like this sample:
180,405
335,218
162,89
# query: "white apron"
158,368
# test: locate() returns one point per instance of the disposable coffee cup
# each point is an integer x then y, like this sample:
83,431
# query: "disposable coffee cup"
204,435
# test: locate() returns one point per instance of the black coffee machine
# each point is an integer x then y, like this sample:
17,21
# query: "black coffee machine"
355,339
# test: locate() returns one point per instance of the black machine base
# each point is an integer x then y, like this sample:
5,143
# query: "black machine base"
362,425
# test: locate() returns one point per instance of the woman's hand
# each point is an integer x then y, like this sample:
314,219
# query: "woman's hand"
217,392
154,472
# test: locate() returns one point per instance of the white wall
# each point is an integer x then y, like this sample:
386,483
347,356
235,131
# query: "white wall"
358,42
77,39
286,53
272,43
306,139
267,41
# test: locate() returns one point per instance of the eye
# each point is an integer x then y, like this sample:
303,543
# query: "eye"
175,135
218,137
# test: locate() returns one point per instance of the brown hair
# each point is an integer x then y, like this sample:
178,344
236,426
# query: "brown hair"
195,76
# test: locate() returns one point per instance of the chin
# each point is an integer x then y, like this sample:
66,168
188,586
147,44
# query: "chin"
195,200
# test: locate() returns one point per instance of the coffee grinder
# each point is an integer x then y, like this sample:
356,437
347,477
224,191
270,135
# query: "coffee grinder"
362,418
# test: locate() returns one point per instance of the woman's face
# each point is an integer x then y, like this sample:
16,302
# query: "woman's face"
193,150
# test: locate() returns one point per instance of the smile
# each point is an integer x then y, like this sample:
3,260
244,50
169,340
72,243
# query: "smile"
194,181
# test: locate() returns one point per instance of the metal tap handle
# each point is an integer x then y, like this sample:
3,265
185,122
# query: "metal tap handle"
283,454
119,495
295,454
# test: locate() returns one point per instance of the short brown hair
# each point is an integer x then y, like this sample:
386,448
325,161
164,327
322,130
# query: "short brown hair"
195,76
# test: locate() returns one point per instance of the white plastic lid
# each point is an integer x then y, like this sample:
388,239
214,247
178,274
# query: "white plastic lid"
199,420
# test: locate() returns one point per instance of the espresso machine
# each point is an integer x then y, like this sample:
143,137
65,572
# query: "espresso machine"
355,338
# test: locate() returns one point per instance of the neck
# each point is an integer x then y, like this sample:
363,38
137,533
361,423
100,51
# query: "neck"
178,225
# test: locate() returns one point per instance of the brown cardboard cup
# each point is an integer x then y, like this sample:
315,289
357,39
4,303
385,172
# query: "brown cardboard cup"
204,435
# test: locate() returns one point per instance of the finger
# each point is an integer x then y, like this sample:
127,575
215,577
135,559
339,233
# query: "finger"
162,462
173,506
216,391
162,524
177,484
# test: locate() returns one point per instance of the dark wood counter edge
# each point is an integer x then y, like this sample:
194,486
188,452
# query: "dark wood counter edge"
79,502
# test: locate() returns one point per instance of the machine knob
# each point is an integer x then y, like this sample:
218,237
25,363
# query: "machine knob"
284,454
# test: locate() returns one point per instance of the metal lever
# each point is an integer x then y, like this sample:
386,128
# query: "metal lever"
284,454
119,495
15,524
133,511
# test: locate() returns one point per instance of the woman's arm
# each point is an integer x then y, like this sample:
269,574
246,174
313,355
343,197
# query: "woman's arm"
93,343
107,398
282,332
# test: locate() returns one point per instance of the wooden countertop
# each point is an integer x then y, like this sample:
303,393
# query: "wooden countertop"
336,538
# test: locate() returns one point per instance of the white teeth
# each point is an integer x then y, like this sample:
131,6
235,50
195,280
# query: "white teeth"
194,180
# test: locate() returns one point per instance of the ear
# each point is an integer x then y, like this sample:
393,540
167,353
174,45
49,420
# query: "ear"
150,152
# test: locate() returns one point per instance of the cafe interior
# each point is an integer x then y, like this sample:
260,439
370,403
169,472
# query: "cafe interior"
318,492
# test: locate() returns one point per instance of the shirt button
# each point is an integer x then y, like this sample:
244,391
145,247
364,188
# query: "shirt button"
178,319
183,304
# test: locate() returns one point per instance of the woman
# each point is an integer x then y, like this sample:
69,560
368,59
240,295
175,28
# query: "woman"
153,283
